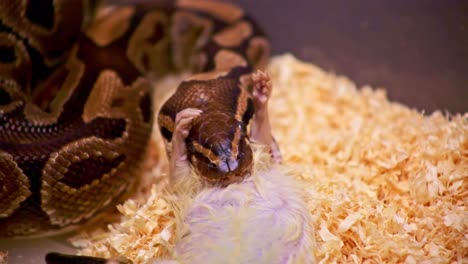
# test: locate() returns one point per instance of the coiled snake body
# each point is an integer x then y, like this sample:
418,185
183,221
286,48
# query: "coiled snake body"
75,107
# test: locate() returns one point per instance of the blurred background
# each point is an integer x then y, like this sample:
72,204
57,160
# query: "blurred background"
417,50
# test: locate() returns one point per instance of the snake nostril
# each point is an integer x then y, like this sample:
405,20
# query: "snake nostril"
117,102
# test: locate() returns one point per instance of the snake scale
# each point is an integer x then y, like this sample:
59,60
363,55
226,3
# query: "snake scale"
75,100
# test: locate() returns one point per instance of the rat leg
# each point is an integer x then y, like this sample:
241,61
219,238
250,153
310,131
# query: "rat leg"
179,166
261,128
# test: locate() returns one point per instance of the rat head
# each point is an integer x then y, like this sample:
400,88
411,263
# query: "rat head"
219,148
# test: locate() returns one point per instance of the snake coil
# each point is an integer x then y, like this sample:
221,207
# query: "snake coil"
75,100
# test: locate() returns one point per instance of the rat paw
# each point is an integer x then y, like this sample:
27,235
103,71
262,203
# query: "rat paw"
179,166
184,121
262,87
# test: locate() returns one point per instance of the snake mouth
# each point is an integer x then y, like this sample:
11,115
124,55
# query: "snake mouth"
228,165
227,169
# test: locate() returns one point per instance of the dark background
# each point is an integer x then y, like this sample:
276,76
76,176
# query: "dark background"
417,50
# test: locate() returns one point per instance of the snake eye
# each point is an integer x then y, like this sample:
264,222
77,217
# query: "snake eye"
241,127
211,165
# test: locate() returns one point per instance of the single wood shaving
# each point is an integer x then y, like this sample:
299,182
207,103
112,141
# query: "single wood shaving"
3,257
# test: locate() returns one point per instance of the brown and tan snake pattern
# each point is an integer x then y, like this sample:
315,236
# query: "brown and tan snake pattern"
75,107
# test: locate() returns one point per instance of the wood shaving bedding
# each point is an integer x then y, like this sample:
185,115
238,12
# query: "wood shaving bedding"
3,257
385,183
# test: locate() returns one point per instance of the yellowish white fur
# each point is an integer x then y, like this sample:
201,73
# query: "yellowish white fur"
263,219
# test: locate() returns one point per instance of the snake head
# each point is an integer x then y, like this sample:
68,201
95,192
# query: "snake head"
219,149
